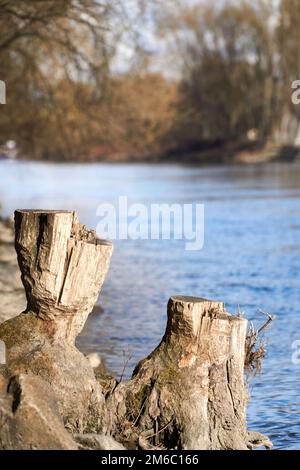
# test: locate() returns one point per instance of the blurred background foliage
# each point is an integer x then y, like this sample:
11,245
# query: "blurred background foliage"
106,79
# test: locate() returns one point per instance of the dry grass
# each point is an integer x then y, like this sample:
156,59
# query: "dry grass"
255,347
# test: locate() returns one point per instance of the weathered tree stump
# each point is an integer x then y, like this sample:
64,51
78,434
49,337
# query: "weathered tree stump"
187,394
63,266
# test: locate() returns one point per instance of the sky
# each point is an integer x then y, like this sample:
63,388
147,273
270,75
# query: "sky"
159,49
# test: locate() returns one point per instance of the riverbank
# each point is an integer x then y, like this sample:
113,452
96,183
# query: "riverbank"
247,153
46,379
200,154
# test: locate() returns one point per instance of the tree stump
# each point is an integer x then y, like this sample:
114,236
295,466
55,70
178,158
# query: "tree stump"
189,392
63,266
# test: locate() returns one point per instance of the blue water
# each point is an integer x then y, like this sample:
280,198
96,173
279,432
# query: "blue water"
251,257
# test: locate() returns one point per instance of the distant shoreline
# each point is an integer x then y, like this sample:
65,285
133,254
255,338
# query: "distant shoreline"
215,155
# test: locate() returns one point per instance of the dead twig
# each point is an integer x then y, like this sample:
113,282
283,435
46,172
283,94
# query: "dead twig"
160,430
268,322
125,363
140,412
